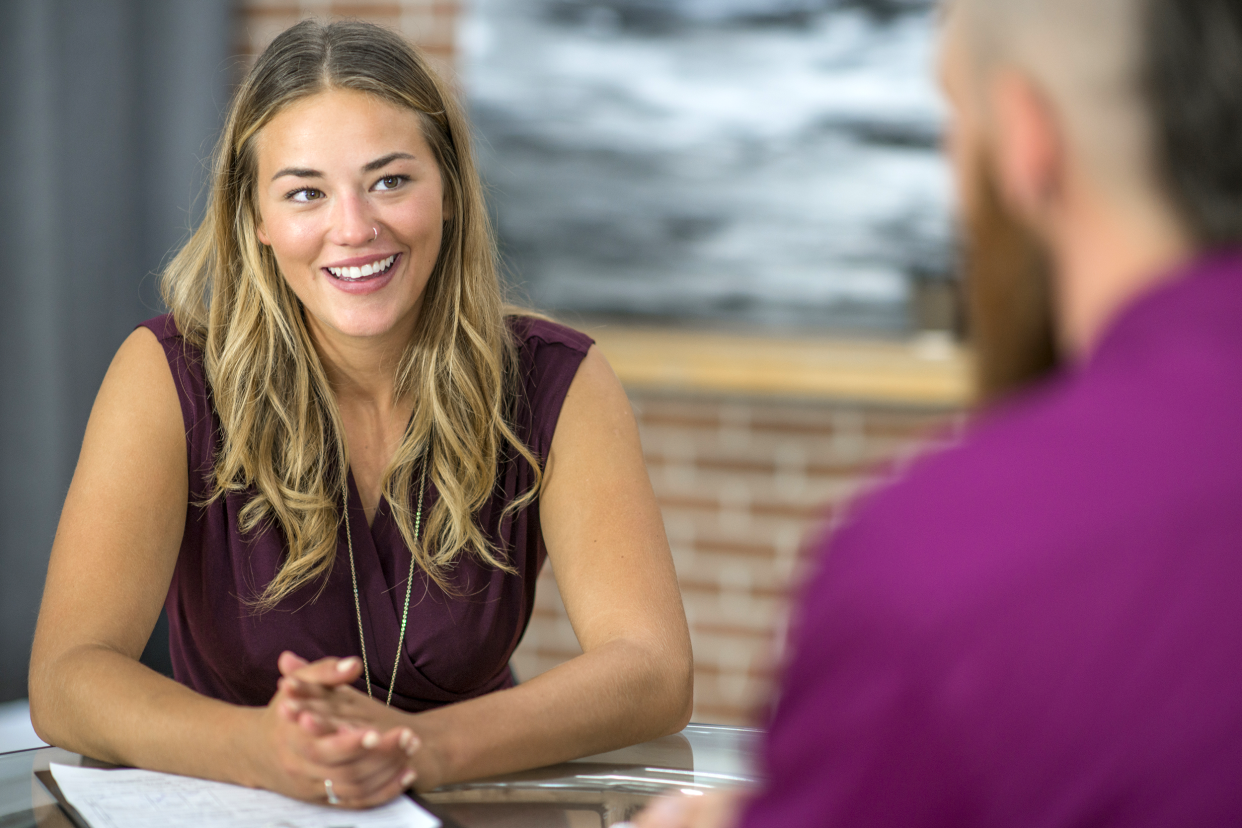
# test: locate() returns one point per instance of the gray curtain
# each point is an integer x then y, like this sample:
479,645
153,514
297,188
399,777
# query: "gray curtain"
110,109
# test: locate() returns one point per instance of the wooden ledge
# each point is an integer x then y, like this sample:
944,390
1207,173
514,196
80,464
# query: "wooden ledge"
929,371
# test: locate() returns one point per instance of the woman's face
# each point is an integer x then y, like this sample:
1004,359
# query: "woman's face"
351,202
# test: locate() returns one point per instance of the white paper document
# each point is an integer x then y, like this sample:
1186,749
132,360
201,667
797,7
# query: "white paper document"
146,799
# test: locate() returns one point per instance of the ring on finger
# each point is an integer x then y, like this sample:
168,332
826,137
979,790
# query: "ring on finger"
333,799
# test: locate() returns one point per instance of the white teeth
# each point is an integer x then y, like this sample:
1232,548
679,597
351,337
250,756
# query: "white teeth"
364,271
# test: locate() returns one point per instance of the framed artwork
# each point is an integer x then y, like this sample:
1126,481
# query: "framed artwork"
763,163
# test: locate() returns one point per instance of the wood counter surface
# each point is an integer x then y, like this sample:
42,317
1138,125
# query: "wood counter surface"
927,371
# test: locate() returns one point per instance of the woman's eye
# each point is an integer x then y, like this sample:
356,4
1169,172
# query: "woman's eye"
304,195
390,182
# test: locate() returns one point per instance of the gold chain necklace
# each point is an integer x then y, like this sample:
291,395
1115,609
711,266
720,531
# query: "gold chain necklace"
409,585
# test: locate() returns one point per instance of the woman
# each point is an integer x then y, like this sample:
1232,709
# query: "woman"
340,463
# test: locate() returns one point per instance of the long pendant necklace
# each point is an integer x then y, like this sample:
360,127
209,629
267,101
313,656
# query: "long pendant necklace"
409,585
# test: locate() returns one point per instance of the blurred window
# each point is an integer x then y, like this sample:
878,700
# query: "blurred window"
762,162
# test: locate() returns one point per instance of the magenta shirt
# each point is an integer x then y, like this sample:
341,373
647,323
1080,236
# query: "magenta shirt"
1041,626
456,646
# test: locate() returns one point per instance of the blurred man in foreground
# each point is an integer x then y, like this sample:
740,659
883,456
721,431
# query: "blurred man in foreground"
1043,624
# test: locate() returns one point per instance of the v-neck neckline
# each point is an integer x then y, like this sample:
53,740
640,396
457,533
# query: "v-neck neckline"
355,498
374,571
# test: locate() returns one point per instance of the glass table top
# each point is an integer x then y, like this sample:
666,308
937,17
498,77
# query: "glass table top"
592,792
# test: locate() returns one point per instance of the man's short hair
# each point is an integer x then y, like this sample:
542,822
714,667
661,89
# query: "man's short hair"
1151,91
1192,77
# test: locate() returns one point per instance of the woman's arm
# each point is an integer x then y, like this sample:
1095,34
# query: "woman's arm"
111,564
606,542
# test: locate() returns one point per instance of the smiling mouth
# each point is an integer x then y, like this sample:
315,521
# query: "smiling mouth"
367,271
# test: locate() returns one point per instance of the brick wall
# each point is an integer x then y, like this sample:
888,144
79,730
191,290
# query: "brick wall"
745,486
430,24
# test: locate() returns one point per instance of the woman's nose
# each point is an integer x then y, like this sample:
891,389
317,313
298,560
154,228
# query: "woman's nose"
353,223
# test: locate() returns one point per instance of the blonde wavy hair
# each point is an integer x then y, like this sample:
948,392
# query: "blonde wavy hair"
281,428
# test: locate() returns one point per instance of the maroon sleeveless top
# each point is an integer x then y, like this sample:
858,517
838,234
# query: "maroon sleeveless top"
457,646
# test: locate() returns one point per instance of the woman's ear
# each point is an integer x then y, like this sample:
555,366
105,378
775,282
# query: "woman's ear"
1029,147
261,233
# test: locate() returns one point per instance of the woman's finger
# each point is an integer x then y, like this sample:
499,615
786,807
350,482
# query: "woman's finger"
349,745
342,705
286,710
325,711
375,778
290,662
316,725
361,779
352,766
330,672
374,791
299,689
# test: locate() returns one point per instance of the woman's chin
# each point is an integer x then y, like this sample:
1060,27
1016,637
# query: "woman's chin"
375,317
363,327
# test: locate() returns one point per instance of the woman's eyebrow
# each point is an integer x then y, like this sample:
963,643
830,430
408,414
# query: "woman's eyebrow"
300,172
303,172
386,160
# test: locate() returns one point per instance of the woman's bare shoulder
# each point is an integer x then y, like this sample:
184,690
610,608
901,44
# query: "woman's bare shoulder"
140,371
137,406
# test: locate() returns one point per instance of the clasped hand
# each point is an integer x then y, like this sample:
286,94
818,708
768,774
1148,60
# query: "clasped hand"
322,728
